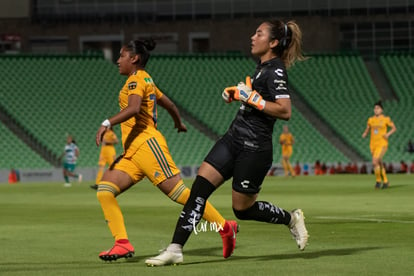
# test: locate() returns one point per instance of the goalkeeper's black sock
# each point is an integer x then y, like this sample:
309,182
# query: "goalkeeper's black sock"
264,211
193,210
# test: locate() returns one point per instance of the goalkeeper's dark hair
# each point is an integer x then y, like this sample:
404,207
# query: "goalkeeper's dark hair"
141,48
289,35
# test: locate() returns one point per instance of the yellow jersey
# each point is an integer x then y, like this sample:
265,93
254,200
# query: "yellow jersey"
286,139
379,126
109,138
143,126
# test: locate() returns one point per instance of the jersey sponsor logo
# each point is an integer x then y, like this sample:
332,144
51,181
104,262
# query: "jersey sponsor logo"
282,96
281,87
279,72
279,81
245,184
132,85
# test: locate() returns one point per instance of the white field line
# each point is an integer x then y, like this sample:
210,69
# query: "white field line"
379,220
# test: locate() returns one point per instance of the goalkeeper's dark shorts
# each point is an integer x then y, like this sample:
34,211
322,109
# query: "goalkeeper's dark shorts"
248,168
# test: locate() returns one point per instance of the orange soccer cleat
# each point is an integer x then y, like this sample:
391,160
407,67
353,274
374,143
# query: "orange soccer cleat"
121,249
228,235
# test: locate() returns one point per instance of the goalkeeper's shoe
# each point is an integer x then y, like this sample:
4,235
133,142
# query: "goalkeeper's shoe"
229,237
297,228
385,185
166,258
119,250
377,185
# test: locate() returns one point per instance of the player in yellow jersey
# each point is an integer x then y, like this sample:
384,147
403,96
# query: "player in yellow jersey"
107,155
287,140
379,125
146,153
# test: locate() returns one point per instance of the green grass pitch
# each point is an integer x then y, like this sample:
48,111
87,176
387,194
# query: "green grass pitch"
47,229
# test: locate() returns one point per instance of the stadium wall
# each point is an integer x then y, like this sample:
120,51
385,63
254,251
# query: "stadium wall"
320,33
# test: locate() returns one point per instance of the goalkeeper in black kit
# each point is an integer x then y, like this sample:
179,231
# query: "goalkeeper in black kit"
245,152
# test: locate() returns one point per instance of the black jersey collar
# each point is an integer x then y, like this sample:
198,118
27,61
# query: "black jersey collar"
272,62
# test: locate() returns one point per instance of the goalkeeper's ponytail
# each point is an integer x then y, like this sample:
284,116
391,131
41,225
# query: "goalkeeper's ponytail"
141,48
289,35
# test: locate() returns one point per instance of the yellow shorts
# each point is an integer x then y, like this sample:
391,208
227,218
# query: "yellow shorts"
378,151
107,155
287,152
152,159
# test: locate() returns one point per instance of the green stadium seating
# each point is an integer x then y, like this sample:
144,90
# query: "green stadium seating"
16,154
340,91
196,83
400,71
53,96
309,145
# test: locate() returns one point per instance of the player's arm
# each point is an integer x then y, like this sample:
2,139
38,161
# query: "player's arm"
116,141
365,133
277,84
133,108
280,109
392,130
77,152
172,109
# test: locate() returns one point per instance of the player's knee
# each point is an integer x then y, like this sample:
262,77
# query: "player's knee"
242,215
106,191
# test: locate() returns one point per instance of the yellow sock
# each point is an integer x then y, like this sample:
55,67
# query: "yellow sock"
212,215
285,167
292,172
99,174
384,175
377,172
112,213
181,193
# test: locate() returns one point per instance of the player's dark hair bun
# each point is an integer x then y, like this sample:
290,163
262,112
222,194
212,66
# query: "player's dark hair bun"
149,44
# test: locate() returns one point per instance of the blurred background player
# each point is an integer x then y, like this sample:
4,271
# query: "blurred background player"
146,153
107,154
287,140
379,124
70,155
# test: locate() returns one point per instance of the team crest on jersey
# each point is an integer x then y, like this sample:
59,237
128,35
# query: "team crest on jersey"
132,85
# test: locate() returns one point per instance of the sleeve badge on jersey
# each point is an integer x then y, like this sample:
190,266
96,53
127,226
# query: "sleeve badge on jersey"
132,85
